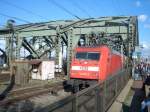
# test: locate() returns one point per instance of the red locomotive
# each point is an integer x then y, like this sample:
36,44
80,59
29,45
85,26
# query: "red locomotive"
94,64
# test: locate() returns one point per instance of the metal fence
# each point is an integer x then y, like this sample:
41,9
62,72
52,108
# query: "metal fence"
97,98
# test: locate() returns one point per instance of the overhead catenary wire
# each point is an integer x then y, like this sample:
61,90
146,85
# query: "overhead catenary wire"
23,9
64,9
16,18
80,8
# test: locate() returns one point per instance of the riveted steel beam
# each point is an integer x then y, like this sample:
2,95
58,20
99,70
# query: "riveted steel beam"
50,35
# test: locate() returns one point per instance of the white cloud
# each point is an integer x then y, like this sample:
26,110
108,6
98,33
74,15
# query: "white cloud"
147,26
146,49
146,46
142,17
138,3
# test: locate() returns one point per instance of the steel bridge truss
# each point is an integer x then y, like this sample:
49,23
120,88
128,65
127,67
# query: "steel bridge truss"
59,38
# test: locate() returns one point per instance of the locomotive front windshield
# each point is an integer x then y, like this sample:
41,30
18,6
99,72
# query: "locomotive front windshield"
88,55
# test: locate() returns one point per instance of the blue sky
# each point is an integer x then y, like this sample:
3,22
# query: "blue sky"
45,10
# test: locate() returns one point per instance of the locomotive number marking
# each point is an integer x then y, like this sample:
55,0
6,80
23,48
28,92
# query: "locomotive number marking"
84,68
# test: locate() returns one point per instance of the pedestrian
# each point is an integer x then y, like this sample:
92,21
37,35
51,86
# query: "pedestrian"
140,69
148,68
136,72
145,104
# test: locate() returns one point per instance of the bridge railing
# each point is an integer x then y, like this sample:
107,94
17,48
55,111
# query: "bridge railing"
97,98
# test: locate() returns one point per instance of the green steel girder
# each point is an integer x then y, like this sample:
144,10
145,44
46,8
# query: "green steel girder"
30,48
69,50
54,33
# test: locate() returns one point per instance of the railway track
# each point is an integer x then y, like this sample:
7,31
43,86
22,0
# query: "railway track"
26,93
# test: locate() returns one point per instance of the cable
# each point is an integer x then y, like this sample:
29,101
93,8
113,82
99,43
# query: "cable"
63,8
80,8
19,19
21,8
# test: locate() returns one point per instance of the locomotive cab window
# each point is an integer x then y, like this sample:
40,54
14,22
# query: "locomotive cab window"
93,56
88,55
81,55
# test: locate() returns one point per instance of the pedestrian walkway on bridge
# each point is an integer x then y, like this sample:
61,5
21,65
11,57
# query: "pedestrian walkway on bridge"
130,98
